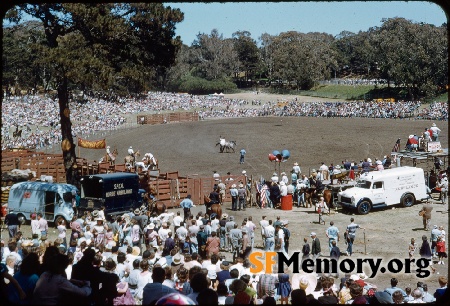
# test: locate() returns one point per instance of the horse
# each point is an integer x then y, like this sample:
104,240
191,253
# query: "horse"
131,159
152,205
111,158
341,177
229,145
221,143
17,133
213,209
150,163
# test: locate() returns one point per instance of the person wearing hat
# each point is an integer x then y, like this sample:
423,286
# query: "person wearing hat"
214,197
241,195
12,221
223,232
274,177
187,204
234,197
131,151
436,131
336,170
202,238
222,188
296,169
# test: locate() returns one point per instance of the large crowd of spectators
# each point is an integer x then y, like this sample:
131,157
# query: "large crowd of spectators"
38,116
138,259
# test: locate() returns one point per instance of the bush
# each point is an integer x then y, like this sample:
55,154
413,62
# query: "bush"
196,85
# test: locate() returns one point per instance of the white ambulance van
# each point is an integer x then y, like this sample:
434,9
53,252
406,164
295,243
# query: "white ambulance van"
402,185
53,200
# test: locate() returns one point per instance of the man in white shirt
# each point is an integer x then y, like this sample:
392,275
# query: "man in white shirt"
280,236
181,232
263,223
324,171
239,266
436,132
177,221
165,216
163,233
215,224
251,230
297,169
269,233
131,151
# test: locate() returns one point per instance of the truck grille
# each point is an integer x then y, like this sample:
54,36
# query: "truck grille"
346,200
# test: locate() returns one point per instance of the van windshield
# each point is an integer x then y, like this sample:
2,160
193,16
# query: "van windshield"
363,184
67,196
91,189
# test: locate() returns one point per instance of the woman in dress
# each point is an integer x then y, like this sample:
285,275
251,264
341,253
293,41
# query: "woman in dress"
135,237
213,244
100,229
144,278
284,287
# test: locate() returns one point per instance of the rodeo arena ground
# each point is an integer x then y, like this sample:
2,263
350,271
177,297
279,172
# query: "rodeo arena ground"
255,157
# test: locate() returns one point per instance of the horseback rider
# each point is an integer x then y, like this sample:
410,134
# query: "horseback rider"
214,198
131,151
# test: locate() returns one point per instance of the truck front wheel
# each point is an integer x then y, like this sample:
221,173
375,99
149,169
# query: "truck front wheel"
408,200
364,207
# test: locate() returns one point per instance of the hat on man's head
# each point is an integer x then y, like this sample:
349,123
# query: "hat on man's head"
312,234
136,251
233,186
231,218
338,167
95,213
202,226
241,185
434,124
295,164
131,147
244,172
176,259
224,216
225,263
137,211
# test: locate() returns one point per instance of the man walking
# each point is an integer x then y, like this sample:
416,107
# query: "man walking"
187,204
242,152
425,212
351,234
332,233
12,220
315,246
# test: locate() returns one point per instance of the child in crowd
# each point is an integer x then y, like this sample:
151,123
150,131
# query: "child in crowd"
440,248
412,248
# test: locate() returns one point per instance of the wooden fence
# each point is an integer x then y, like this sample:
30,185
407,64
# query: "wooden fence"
167,118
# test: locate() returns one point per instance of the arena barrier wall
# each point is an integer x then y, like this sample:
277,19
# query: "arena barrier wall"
167,118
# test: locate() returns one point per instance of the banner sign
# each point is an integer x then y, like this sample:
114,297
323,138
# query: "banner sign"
92,144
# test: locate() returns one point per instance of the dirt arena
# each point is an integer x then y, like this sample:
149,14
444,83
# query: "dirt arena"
190,149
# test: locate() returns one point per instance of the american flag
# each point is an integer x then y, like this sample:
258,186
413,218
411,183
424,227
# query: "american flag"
396,147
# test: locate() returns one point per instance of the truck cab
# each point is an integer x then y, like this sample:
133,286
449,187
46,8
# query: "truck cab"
402,185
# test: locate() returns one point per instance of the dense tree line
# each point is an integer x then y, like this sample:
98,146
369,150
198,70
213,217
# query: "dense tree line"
126,49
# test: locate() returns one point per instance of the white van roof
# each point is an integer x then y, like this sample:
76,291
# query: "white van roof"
377,175
44,186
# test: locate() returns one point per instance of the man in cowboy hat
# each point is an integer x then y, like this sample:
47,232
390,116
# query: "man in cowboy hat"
131,151
436,131
241,194
234,197
296,169
187,204
223,231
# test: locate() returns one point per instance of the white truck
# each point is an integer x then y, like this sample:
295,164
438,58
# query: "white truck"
402,185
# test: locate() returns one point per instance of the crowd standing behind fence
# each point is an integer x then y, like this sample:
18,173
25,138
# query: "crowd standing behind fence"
38,116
